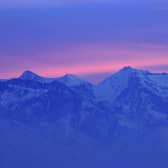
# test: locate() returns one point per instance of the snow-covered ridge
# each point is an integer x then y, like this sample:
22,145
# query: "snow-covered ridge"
112,86
123,74
71,80
68,79
127,97
28,75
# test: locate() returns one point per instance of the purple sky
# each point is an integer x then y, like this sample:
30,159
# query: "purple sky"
74,2
89,38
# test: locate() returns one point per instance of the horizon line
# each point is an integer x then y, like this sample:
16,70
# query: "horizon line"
88,75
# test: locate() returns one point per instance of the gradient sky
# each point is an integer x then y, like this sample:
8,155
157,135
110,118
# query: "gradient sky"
90,38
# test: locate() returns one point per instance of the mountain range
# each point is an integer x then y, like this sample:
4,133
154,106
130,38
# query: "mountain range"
130,93
122,109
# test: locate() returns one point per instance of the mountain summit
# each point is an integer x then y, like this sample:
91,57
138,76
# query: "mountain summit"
71,80
29,75
112,86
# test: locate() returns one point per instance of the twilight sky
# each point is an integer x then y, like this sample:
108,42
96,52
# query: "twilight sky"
90,38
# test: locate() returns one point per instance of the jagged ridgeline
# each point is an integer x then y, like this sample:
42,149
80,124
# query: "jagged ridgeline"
127,112
131,97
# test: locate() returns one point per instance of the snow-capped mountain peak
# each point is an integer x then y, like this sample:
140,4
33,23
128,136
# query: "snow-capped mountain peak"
128,68
112,86
130,71
71,80
29,75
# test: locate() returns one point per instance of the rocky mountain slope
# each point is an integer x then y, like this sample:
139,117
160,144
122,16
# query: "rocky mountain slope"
51,119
